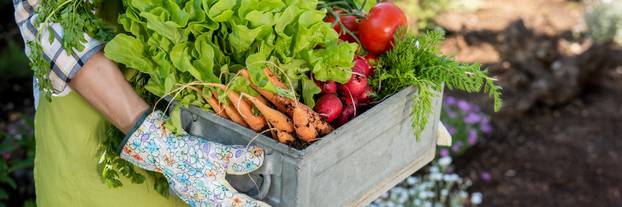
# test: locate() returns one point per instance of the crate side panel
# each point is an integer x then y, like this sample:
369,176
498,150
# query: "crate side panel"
421,160
358,172
359,132
389,182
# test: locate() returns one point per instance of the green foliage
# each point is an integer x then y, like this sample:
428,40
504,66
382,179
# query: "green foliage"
604,21
13,62
76,17
110,165
415,61
17,153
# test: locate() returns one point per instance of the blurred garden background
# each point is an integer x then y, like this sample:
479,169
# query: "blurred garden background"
556,141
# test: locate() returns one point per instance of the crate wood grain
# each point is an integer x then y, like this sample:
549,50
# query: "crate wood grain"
349,167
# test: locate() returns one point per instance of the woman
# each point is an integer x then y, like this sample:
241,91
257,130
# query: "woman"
89,89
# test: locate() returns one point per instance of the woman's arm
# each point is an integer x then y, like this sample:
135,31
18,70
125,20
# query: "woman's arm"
103,86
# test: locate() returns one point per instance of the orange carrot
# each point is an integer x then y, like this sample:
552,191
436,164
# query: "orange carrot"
288,106
281,103
229,110
322,127
261,99
218,109
274,117
255,122
273,78
284,137
302,123
234,115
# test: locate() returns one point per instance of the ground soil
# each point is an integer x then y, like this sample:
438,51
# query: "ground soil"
562,154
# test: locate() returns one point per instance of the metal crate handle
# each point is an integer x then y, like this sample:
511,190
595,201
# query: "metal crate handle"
272,161
267,170
265,187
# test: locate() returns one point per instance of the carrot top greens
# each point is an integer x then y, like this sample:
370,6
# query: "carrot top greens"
415,60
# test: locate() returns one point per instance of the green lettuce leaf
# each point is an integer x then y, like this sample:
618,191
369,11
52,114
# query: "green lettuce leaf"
333,62
129,51
309,89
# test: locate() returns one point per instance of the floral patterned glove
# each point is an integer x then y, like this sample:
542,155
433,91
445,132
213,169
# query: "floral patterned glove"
195,168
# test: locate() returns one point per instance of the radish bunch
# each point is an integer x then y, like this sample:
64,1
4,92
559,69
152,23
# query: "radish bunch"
338,103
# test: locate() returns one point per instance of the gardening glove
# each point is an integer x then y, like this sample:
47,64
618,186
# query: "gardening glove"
195,168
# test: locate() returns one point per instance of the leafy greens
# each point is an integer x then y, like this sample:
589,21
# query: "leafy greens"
178,42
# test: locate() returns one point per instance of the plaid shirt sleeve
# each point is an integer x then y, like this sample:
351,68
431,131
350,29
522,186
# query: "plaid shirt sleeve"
64,66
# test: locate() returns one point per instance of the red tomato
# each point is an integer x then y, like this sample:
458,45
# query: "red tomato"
377,29
350,22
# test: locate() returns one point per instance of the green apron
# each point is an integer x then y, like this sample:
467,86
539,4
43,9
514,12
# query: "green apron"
66,133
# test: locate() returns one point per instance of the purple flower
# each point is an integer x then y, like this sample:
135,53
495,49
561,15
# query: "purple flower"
444,152
464,106
451,130
456,147
472,118
472,138
485,125
486,128
485,176
6,155
450,100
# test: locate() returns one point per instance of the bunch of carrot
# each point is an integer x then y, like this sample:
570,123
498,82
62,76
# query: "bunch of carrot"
284,116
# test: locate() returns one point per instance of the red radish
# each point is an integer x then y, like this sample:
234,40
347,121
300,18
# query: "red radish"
361,66
354,87
349,111
331,19
366,96
329,106
348,100
350,22
328,87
